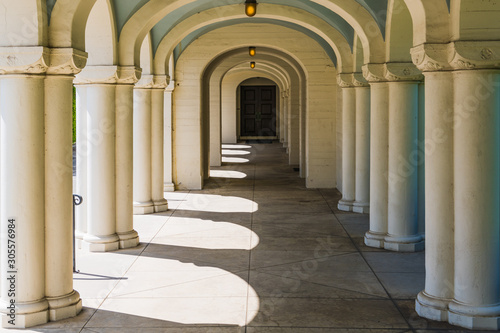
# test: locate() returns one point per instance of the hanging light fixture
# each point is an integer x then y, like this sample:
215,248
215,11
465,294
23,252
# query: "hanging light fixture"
252,65
250,7
252,51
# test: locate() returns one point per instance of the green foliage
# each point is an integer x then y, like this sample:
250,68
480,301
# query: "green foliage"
74,115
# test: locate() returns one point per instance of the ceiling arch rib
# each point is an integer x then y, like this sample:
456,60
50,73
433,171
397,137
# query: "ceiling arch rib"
269,12
152,12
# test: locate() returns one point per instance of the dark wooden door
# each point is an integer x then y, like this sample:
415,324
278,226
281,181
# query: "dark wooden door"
258,111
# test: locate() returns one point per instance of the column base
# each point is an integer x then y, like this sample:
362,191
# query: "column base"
431,307
79,239
345,205
64,307
107,243
361,207
161,206
404,244
374,239
474,317
128,239
168,187
143,208
26,315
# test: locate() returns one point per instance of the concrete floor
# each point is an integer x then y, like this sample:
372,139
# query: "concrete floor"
255,251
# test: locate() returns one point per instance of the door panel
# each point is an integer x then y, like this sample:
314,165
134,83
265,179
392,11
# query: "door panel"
258,111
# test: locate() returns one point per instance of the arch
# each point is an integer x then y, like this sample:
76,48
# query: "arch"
358,59
399,29
474,20
100,35
147,56
431,21
319,97
153,11
233,13
25,23
67,23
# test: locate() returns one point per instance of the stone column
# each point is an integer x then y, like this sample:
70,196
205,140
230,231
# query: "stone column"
282,116
157,127
379,153
433,302
362,144
168,184
64,302
82,150
476,302
143,202
23,185
403,233
124,157
348,141
100,84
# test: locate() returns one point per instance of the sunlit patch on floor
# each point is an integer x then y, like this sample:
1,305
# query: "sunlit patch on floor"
226,159
227,174
234,152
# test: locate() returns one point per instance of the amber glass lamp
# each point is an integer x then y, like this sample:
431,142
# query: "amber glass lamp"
250,7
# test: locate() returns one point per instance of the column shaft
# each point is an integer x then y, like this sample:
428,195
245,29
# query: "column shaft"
348,148
433,302
379,160
160,203
22,198
64,302
82,151
101,191
362,151
403,232
476,301
124,166
143,203
168,185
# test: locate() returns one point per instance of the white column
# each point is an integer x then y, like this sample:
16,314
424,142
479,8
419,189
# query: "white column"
433,302
101,191
403,234
168,184
362,151
22,156
22,198
82,151
476,303
64,302
157,126
282,116
379,154
124,164
348,142
143,203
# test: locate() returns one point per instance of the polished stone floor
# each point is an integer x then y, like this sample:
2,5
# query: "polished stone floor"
255,251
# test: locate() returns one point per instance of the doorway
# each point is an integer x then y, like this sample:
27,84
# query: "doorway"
258,112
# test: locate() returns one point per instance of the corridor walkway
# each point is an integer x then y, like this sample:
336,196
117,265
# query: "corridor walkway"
255,251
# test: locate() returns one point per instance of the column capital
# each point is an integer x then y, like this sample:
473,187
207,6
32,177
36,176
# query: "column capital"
475,55
108,75
24,60
344,80
431,57
402,71
459,55
358,80
171,86
152,82
374,72
66,61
